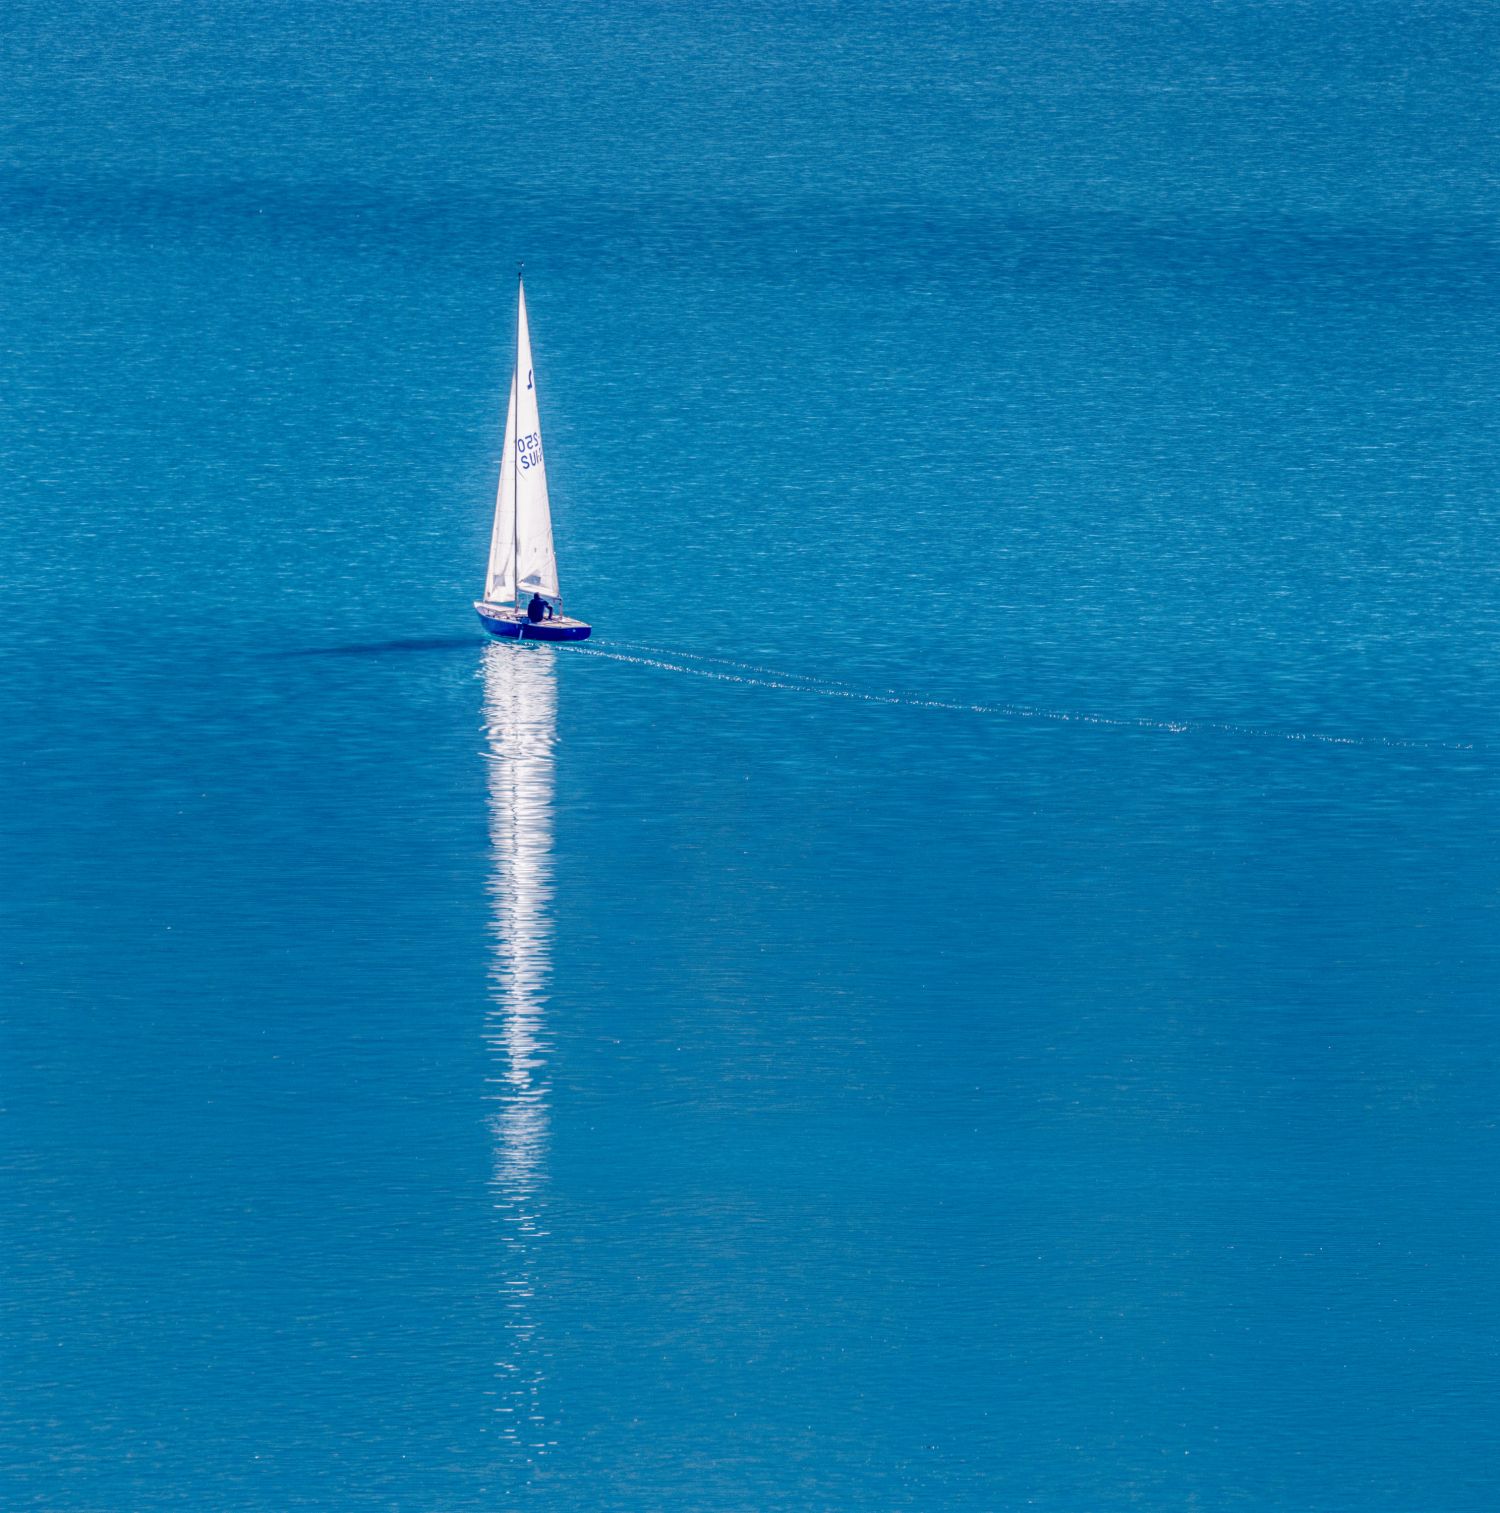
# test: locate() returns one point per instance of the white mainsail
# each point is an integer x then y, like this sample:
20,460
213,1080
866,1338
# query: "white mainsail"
522,561
500,580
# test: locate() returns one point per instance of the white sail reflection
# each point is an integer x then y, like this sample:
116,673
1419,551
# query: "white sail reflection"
520,714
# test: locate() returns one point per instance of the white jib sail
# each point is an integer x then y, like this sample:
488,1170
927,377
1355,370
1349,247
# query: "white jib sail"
500,579
536,562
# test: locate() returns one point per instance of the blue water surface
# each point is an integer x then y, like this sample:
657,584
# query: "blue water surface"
977,989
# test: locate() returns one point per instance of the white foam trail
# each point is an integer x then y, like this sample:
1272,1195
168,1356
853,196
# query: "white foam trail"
750,674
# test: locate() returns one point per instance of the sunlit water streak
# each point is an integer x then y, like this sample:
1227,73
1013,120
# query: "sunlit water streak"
698,664
520,716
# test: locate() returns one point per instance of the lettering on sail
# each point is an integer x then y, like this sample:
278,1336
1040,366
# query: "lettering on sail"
529,450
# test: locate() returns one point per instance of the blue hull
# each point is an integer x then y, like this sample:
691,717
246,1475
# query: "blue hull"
508,628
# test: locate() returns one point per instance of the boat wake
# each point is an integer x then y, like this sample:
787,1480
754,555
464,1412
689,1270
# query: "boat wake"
726,670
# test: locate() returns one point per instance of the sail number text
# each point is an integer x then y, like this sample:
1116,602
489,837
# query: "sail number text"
529,450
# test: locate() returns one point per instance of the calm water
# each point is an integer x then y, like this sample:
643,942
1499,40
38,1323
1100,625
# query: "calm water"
831,1077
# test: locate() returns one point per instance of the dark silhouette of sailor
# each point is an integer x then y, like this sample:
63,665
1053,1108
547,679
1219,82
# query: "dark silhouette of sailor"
538,610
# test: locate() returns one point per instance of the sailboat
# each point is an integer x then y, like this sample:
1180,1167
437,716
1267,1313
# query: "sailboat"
522,600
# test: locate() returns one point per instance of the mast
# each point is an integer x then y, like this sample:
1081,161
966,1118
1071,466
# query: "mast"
515,443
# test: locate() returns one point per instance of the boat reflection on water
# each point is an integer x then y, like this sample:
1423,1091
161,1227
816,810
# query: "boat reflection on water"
520,717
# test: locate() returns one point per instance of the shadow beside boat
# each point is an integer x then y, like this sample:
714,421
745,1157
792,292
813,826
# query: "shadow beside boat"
379,648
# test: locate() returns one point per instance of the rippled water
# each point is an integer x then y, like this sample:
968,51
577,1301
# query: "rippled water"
977,988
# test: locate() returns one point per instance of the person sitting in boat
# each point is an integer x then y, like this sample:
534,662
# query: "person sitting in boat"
538,610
